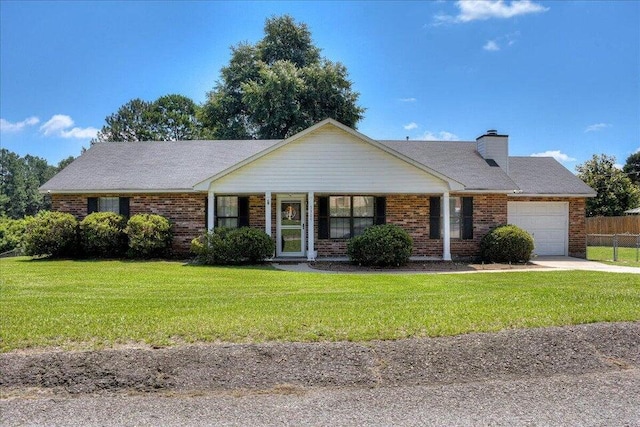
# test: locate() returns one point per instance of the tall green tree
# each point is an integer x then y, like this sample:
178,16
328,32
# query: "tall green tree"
20,178
130,123
168,118
279,86
65,162
616,192
632,167
173,118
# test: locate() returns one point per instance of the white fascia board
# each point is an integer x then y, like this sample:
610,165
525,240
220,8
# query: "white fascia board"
572,195
121,191
488,191
453,184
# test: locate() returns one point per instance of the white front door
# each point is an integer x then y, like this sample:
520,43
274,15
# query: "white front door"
290,230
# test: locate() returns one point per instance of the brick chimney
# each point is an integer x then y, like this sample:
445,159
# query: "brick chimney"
492,146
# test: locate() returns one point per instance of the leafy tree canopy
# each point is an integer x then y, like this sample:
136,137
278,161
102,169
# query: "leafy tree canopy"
632,167
20,178
168,118
278,87
616,192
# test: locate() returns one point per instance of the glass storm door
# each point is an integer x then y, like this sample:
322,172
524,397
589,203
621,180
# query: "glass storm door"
291,225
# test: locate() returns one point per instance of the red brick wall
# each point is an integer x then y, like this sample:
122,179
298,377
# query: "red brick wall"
489,211
577,221
185,211
71,203
411,212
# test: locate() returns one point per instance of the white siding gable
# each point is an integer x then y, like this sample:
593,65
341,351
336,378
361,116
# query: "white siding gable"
329,160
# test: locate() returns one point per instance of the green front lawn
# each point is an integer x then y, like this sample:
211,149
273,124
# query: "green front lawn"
626,256
89,304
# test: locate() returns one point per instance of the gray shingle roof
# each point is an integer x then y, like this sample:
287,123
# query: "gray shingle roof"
457,160
151,166
544,175
178,166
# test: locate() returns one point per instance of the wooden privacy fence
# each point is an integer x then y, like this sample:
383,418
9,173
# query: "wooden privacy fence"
629,224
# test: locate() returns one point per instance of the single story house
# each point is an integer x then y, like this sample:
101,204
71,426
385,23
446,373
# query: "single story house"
635,211
316,189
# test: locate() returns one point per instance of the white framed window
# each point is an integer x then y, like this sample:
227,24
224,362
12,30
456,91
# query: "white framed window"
227,211
350,215
455,218
109,204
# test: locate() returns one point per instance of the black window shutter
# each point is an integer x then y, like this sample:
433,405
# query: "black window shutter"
467,218
206,213
434,217
381,211
323,217
92,205
124,206
243,211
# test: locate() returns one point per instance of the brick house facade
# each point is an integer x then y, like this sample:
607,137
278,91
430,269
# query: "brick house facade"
410,211
414,184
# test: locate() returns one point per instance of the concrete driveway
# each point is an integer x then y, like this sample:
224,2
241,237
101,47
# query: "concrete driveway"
569,263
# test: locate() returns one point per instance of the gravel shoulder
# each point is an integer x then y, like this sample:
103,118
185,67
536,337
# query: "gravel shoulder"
291,368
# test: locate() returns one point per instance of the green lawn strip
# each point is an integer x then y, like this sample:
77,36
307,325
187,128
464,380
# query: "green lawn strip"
94,304
626,256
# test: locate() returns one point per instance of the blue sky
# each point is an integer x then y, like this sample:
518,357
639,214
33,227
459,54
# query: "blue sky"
560,78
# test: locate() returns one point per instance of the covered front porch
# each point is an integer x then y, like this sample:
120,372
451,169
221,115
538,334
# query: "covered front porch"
300,222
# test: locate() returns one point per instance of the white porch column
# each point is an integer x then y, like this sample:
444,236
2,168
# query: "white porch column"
211,211
267,213
311,253
446,242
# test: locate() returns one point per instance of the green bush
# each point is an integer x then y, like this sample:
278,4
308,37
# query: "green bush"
506,243
233,246
381,245
51,233
102,234
12,233
149,236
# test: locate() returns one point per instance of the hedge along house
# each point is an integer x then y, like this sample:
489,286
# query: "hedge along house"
316,189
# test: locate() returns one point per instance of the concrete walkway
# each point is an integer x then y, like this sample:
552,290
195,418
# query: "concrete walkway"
569,263
548,263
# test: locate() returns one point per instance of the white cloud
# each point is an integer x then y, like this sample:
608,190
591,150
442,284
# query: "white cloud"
481,10
556,154
411,126
491,46
597,127
59,124
80,133
618,166
638,150
55,124
7,126
408,100
474,10
439,136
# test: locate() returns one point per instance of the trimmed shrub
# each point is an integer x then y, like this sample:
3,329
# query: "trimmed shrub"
102,234
233,246
506,243
149,236
381,245
12,233
51,233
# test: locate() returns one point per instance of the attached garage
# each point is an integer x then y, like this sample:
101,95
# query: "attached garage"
548,223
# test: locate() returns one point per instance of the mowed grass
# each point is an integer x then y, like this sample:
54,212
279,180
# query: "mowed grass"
626,256
94,304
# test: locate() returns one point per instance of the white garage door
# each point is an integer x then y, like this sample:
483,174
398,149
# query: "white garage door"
546,221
